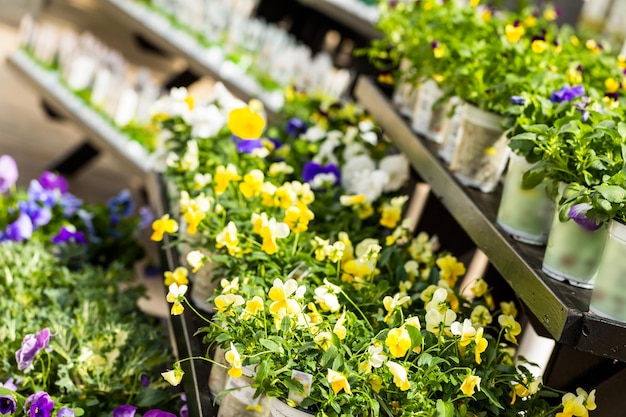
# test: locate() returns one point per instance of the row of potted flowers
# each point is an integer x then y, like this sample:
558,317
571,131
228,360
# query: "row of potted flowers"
67,325
553,98
323,300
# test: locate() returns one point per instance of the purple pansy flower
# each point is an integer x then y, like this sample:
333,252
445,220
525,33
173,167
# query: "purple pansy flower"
70,203
21,229
122,204
66,412
9,385
54,182
125,410
249,145
8,173
147,217
518,100
39,215
184,411
145,380
578,213
567,94
31,346
69,233
39,405
296,127
7,404
319,175
37,192
158,413
87,218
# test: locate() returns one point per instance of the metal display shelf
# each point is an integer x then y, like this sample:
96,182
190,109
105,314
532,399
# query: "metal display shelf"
563,310
337,10
106,135
206,61
183,327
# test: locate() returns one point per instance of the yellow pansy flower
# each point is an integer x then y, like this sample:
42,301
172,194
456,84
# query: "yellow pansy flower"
573,405
530,21
612,85
392,212
481,316
339,329
338,382
398,341
269,230
400,378
224,175
451,269
298,217
508,308
323,340
162,226
514,33
178,276
285,296
480,287
193,219
510,326
391,304
539,46
196,260
246,123
351,200
550,14
176,295
229,238
225,303
173,377
465,330
470,383
365,210
285,196
376,382
234,360
278,168
574,76
481,345
230,287
474,3
252,183
252,307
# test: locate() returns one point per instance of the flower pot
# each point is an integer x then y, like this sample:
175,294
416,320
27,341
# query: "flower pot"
279,408
572,253
405,93
450,129
437,126
203,286
427,95
608,298
219,374
481,152
524,214
240,401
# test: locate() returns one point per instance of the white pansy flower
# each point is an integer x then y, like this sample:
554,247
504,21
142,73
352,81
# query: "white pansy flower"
363,246
314,134
325,154
352,150
206,121
353,169
397,167
323,180
376,356
370,183
202,180
190,160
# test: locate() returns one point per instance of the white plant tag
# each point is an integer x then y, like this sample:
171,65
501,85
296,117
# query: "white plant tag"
100,87
81,72
306,380
126,107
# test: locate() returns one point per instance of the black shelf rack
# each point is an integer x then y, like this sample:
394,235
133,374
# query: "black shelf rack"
561,309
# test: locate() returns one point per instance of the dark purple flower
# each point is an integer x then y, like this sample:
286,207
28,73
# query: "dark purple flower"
39,215
518,100
567,94
578,213
158,413
31,346
184,411
39,405
122,204
319,175
70,203
9,385
66,412
516,23
434,44
8,173
147,217
54,182
69,233
145,380
249,145
614,96
37,192
296,127
21,229
124,411
7,404
580,68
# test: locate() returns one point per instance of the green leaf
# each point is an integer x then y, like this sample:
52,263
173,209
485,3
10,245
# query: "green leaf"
491,397
445,408
613,193
416,336
329,355
533,178
539,128
271,345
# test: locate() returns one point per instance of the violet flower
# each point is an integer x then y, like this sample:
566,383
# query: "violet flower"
87,218
319,175
9,384
40,216
518,100
158,413
567,94
184,411
69,233
70,204
8,173
578,213
66,412
295,127
39,405
121,205
31,346
7,404
54,182
249,145
147,217
20,230
125,410
145,380
37,192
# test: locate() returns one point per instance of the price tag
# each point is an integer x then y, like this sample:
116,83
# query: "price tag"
306,380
